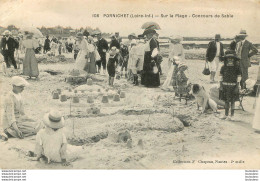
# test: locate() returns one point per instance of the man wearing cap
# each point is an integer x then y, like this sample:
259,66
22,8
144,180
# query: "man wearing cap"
102,47
244,50
214,54
15,122
7,48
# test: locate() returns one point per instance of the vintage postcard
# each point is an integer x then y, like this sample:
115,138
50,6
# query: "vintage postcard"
120,84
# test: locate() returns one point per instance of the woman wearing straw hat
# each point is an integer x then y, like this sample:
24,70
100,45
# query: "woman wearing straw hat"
93,55
176,55
82,56
51,143
150,76
30,64
15,122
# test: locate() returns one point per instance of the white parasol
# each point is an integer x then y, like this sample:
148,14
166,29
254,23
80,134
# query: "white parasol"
36,32
151,25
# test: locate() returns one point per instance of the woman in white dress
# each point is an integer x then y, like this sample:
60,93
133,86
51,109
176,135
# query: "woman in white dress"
82,56
176,55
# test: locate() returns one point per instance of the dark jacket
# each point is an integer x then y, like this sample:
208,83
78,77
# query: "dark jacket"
212,51
248,50
233,45
115,43
102,44
11,43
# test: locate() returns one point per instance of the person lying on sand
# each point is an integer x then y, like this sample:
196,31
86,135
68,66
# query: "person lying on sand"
202,99
15,122
51,143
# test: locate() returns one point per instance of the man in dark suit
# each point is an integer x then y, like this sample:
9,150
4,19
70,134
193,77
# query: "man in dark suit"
114,43
233,44
7,48
214,54
102,47
244,50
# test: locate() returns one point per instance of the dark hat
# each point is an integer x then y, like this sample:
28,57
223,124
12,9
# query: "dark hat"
148,31
231,53
86,33
217,36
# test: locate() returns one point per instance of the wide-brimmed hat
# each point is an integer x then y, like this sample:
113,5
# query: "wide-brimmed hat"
133,42
7,32
176,38
79,35
242,33
54,119
231,54
217,36
19,81
149,31
182,65
132,34
113,51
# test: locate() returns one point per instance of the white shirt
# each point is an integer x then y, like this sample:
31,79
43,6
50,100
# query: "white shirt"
218,48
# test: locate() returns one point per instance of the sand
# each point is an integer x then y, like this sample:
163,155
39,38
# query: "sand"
165,133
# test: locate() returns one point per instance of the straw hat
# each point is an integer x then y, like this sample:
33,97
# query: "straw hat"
133,42
183,65
19,81
113,51
176,38
54,120
242,33
79,35
7,32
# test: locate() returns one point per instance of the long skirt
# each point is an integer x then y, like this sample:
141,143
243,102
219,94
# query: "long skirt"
167,82
256,121
30,64
90,66
28,127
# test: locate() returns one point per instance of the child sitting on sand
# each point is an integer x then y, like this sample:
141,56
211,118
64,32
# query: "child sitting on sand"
202,98
229,85
51,143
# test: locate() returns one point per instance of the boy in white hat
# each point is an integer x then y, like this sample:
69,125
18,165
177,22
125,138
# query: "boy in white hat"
51,143
15,122
112,64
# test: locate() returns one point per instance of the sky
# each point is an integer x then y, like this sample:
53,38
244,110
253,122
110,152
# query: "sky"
79,13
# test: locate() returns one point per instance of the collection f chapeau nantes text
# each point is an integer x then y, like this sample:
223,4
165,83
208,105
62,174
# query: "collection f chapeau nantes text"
222,15
210,161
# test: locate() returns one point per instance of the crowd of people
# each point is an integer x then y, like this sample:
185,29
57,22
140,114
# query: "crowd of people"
137,58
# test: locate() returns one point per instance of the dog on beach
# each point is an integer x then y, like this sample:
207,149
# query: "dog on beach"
203,99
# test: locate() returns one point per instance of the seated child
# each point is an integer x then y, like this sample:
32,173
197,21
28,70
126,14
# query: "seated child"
229,85
202,98
51,143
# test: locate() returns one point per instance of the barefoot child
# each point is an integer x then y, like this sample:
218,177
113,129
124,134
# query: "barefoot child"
51,143
112,64
182,80
229,85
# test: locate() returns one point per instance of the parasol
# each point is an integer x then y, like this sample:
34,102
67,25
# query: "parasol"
151,25
36,32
